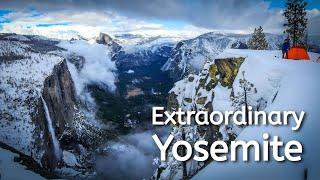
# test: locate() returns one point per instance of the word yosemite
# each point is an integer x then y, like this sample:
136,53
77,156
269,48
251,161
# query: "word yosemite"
219,149
243,117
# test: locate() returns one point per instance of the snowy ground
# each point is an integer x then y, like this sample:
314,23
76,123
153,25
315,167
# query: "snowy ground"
13,170
297,83
21,80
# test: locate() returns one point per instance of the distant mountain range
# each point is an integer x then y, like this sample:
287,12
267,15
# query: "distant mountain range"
190,55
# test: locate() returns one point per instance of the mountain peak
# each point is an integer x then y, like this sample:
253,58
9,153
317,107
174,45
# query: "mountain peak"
108,41
104,39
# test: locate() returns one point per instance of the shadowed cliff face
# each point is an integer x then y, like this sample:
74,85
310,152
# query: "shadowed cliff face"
59,95
69,123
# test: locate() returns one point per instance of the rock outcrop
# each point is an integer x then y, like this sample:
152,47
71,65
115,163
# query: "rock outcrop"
59,93
109,42
69,123
210,90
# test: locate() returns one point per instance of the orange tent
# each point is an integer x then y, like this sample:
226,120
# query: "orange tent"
298,53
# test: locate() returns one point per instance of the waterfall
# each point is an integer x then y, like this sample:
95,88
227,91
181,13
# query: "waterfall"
55,142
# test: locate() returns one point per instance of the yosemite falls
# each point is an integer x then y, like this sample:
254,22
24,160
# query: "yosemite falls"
55,142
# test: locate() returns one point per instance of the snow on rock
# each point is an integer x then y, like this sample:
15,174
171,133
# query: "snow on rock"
209,90
9,48
133,43
23,71
130,71
216,86
17,37
69,158
151,44
295,83
143,53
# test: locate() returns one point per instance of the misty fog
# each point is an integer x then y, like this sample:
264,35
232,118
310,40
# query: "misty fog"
131,157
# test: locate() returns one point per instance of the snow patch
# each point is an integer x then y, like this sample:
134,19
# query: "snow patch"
13,170
130,71
69,158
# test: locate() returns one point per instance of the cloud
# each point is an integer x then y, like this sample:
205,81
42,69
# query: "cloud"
65,24
314,21
130,157
219,14
97,68
128,16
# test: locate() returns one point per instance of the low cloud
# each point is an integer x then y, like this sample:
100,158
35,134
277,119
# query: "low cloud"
131,157
97,67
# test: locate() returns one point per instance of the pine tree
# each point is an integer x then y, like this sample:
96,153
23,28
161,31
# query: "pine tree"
258,40
296,20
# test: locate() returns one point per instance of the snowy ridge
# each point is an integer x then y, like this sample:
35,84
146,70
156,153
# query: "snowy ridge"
189,55
139,39
140,50
21,80
269,73
12,47
152,44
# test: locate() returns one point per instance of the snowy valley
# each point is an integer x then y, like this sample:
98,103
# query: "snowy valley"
73,106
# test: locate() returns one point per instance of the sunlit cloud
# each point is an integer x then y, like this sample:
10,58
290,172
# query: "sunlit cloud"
66,19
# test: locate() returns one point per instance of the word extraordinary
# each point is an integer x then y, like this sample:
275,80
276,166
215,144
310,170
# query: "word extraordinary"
274,118
219,149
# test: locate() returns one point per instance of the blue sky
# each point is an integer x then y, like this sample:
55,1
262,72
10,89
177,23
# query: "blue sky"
142,16
281,4
3,12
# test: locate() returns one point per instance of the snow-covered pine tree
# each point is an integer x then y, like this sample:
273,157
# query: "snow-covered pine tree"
243,98
258,40
296,20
